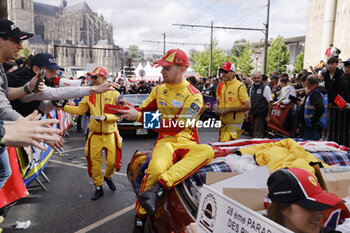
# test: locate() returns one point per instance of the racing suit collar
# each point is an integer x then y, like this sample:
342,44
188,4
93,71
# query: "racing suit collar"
232,81
177,85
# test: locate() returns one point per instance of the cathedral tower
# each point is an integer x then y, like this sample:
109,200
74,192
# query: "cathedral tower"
21,12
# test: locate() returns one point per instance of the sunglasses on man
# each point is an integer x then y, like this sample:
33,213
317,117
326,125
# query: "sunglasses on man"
18,42
96,77
225,72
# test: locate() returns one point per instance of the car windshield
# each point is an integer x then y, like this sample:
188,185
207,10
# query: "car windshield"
135,99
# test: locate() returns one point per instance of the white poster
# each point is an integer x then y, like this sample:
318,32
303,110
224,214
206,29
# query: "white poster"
220,214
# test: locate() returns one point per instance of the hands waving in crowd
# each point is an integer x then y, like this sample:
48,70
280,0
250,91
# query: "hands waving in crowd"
31,131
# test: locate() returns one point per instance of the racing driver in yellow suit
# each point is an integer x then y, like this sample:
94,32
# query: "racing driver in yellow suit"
176,154
103,134
232,101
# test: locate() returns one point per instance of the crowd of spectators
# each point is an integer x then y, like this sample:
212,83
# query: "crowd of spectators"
137,87
316,88
328,79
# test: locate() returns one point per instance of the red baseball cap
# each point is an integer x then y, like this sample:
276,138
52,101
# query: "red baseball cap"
227,66
174,56
298,186
99,71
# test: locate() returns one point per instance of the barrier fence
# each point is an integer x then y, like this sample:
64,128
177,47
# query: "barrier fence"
339,126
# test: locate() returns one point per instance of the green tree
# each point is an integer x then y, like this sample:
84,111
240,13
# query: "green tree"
299,63
192,54
24,53
135,52
238,47
244,62
202,59
277,56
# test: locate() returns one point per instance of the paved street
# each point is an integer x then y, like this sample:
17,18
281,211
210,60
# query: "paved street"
66,206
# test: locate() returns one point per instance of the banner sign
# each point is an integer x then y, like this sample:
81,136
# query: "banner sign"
218,213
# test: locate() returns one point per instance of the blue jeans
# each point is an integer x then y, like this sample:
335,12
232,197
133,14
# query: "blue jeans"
5,168
312,133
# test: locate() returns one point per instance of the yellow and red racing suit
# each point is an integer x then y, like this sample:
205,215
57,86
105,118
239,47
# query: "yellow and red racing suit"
231,94
176,154
102,135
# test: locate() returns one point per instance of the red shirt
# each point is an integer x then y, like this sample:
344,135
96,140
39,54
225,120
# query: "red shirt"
328,52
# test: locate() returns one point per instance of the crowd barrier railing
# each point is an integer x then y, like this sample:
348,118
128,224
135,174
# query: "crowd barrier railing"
339,126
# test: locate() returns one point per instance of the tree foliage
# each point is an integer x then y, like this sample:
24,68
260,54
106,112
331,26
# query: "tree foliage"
24,53
135,52
299,63
244,61
277,56
192,55
239,47
202,60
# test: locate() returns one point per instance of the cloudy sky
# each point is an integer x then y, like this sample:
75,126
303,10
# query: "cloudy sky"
137,20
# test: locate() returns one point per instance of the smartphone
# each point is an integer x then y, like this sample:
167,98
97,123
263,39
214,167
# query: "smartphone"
40,79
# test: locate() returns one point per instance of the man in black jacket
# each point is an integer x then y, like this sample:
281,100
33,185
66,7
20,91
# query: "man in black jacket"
345,114
261,105
332,79
333,86
345,83
21,76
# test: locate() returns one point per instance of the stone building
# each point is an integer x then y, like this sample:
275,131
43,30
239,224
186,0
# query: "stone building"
75,34
327,24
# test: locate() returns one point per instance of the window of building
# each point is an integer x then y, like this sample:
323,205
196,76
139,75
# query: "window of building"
84,26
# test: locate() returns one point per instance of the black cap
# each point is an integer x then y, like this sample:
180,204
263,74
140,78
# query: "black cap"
298,186
9,29
347,62
46,60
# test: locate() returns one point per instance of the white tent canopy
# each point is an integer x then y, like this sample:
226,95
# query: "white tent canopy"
151,72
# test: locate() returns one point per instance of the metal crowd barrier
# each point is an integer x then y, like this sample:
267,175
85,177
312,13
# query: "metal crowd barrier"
339,126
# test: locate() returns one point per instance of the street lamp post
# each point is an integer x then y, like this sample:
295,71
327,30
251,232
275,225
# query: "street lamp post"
266,36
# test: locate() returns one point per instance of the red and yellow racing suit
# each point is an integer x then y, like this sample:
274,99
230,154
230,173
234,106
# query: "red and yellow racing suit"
176,154
231,94
102,135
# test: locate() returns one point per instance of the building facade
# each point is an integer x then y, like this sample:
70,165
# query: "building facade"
76,35
327,24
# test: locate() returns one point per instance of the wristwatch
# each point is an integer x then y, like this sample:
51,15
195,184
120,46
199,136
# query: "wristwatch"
26,89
